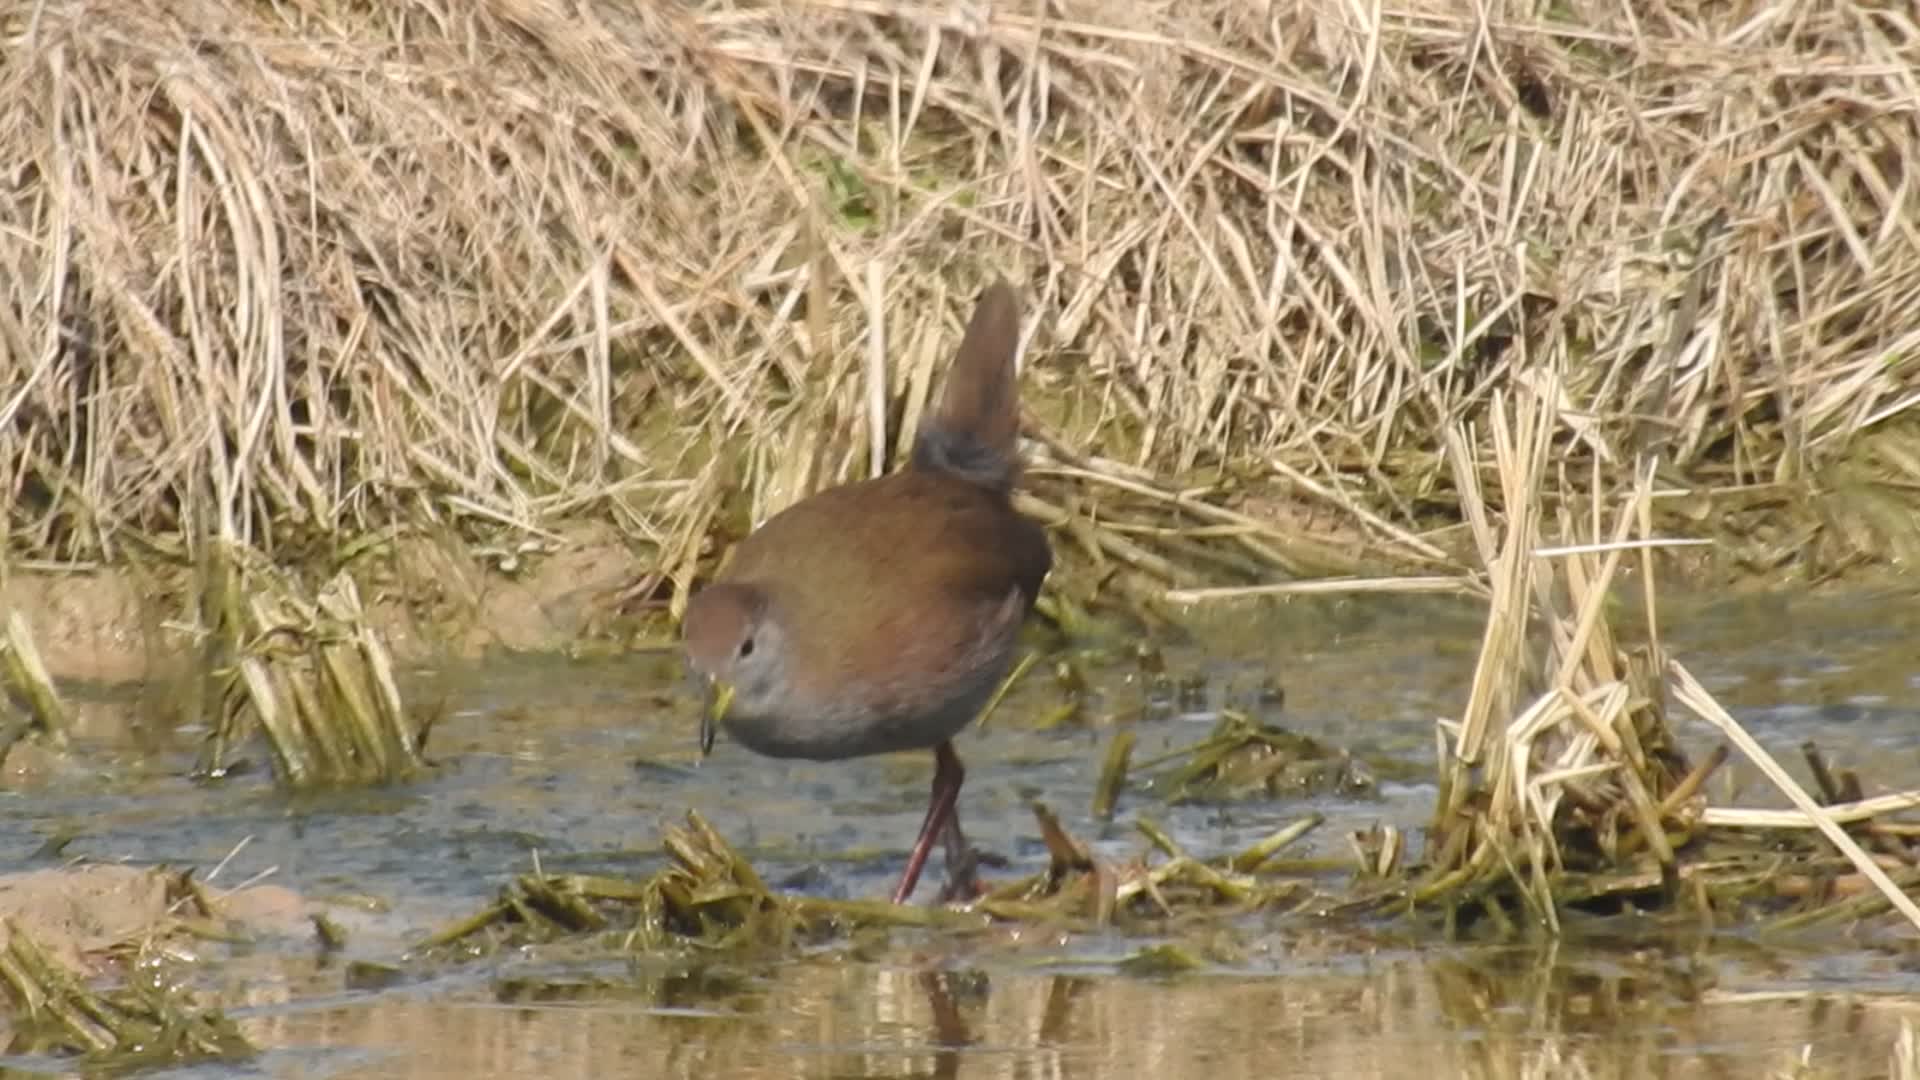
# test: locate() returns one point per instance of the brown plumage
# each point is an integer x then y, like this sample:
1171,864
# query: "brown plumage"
880,616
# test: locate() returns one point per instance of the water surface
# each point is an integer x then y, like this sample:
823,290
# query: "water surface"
580,764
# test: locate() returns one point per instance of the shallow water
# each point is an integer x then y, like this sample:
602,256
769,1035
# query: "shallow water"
580,764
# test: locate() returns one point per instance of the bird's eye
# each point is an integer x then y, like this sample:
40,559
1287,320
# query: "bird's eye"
746,648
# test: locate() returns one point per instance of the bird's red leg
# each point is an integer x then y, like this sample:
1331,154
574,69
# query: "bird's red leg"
947,777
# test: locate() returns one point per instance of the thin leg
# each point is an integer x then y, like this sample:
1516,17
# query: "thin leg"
947,777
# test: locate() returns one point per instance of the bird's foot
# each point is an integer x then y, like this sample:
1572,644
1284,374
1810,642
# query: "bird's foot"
964,884
962,889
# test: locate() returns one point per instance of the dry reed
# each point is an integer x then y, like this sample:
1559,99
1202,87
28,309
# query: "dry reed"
1562,782
304,271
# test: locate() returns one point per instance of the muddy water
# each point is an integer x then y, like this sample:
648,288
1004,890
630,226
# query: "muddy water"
579,764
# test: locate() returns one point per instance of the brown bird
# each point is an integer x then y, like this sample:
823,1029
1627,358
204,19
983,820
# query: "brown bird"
881,615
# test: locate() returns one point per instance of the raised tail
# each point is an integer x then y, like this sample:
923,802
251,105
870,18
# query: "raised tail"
974,433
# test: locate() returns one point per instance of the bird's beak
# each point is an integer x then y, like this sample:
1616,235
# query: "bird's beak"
719,697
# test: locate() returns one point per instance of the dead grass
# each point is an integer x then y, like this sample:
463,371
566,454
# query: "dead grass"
1317,292
1562,783
303,668
286,274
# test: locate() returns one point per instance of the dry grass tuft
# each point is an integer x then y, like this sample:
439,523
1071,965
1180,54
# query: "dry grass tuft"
24,681
305,270
1561,784
152,1023
707,893
304,670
